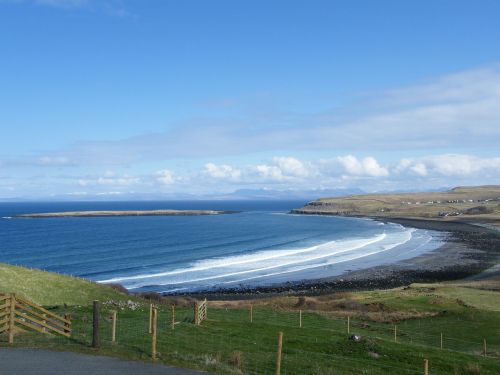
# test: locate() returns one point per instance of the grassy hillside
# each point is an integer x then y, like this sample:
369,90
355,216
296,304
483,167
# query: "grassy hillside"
228,343
49,289
465,203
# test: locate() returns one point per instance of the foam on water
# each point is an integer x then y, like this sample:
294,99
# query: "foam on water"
247,263
259,246
272,265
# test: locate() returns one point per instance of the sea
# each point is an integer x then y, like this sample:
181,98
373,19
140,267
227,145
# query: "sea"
262,245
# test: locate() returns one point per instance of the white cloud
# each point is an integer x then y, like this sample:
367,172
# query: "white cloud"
289,170
165,177
281,169
280,172
458,165
269,172
420,169
224,172
78,193
368,166
109,179
83,182
124,180
291,167
110,193
54,161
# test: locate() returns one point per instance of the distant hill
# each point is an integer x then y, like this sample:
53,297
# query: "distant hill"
469,202
240,194
271,194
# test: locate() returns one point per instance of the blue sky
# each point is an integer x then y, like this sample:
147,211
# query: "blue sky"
163,98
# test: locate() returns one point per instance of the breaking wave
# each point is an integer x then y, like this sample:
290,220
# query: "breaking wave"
266,264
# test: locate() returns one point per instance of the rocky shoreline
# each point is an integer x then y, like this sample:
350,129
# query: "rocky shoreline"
468,250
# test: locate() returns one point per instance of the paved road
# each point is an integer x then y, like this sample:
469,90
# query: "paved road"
45,362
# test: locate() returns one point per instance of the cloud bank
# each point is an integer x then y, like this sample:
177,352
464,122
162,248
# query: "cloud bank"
286,172
376,144
458,111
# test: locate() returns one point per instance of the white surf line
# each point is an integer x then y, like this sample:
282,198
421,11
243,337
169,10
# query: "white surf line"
269,267
169,291
318,265
250,258
429,239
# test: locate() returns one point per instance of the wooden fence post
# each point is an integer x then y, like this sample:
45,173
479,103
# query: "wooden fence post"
150,318
44,321
484,347
154,319
441,343
278,353
11,317
300,318
173,316
251,313
196,314
395,333
113,327
348,324
426,367
95,325
66,325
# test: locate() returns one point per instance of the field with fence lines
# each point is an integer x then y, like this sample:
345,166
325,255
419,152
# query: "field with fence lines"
454,326
243,340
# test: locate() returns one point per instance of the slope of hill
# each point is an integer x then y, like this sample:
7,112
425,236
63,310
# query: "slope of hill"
226,343
47,288
477,203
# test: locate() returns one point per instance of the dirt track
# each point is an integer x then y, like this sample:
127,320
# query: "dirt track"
45,362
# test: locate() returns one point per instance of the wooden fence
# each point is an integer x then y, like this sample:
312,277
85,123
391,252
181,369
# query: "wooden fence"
19,315
200,312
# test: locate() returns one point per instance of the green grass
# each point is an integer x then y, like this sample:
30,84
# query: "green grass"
321,346
227,343
50,289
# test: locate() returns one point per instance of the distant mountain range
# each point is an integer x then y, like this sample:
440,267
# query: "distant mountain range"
265,194
241,194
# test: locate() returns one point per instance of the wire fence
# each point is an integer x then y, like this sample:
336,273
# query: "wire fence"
245,341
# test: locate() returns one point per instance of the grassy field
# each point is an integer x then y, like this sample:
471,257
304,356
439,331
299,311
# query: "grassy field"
50,289
228,343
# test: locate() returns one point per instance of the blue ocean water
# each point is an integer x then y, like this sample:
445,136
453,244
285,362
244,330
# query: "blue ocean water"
262,245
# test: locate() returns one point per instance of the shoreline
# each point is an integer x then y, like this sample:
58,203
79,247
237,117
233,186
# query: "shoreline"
469,251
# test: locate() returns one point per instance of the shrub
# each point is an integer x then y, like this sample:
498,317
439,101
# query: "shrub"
471,369
236,360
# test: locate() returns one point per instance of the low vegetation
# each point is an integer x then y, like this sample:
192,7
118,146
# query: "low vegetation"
50,289
228,343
